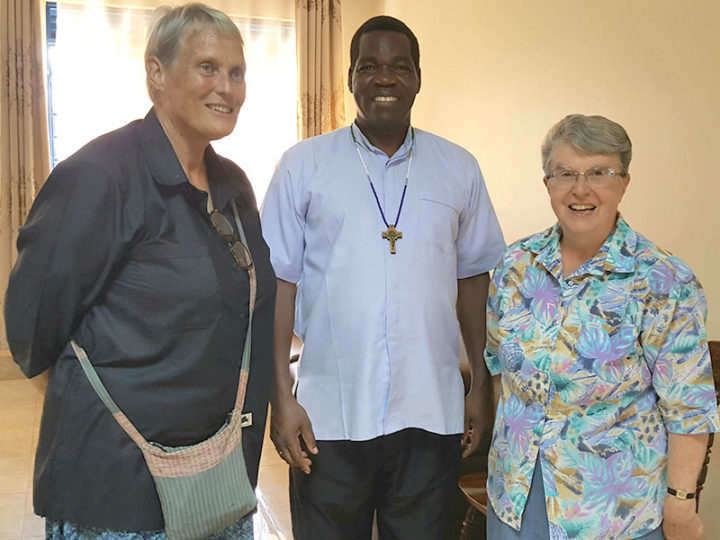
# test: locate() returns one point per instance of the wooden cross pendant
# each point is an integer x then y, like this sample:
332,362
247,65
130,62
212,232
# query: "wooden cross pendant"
392,235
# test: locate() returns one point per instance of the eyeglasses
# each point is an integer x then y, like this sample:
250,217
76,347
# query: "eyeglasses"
240,253
596,176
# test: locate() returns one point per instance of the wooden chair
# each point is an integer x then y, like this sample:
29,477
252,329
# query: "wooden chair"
473,486
468,518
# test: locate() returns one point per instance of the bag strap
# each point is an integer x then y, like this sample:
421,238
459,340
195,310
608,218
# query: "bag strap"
102,392
252,279
93,378
119,416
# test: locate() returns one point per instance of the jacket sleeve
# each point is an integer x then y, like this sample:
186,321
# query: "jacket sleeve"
73,236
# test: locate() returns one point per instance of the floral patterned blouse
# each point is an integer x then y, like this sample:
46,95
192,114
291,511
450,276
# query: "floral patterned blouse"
596,369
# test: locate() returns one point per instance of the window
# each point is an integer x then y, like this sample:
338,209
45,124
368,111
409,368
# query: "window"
96,83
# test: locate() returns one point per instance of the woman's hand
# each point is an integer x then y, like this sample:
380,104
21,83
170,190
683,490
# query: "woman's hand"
291,432
680,521
685,457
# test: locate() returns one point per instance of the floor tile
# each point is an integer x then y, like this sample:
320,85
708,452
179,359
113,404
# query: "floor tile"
266,528
33,526
15,476
11,515
16,448
29,509
273,485
9,369
18,392
18,419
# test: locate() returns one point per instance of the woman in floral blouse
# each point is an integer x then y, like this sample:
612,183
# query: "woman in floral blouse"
597,347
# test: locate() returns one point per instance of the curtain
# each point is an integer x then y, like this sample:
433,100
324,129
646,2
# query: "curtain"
24,155
321,81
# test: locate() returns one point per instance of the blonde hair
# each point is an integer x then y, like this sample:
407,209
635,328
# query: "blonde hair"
172,26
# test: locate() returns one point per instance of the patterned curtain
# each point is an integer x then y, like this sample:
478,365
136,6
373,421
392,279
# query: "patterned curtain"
321,81
24,154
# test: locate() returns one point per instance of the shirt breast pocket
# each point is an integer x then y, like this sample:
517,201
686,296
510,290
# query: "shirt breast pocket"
438,224
612,351
173,287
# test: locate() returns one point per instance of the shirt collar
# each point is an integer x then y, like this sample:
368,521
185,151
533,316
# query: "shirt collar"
224,181
617,253
546,247
363,141
166,168
159,153
621,246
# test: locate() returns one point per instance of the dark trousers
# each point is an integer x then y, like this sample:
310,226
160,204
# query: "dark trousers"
408,478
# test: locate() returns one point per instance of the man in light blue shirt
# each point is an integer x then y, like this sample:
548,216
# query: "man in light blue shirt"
382,237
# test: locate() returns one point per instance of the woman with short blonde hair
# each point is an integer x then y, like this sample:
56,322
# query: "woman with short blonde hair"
142,261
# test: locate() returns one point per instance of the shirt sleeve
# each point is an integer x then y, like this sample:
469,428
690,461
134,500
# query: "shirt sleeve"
492,343
283,223
675,346
66,250
480,241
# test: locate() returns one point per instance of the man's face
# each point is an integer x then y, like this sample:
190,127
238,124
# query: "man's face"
384,81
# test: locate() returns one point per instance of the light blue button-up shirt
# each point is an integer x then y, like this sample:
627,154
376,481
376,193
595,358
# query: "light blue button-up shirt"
380,330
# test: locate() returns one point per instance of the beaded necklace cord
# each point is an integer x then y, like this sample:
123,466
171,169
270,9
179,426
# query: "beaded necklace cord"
391,234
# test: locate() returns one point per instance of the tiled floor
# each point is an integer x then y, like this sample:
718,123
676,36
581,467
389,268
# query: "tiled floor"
20,410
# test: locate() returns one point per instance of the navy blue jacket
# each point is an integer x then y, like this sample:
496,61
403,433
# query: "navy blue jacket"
118,253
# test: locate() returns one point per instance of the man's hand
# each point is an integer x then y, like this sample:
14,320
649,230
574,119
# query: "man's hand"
680,521
472,297
291,433
290,428
478,419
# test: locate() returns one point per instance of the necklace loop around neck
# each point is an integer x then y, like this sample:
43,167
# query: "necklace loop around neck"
372,186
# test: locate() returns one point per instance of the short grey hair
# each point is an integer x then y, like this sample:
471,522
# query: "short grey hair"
589,134
172,26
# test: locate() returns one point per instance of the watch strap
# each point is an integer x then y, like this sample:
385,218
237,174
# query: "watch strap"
681,493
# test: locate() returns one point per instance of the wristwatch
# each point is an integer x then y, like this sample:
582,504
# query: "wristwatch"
681,493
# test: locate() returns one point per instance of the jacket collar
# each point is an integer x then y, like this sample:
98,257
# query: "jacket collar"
166,169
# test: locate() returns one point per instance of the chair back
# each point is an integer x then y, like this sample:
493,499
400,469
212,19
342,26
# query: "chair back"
714,347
